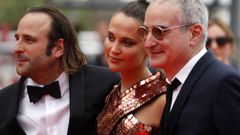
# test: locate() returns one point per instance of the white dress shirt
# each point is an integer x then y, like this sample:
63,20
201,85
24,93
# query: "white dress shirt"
49,116
184,72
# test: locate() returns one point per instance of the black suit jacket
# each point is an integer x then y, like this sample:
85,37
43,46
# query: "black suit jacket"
208,102
88,89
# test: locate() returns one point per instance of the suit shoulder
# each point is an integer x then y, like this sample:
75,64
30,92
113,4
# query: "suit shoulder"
224,70
93,73
92,69
7,88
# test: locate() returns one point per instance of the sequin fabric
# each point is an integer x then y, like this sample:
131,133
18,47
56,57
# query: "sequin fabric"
131,126
116,117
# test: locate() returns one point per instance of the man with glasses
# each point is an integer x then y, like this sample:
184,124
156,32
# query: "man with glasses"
206,98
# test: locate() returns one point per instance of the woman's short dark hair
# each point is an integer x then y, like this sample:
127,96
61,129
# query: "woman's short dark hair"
135,9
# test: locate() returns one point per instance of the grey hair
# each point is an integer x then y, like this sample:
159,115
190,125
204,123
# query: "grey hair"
194,11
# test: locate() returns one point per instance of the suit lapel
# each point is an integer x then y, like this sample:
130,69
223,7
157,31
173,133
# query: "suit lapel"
186,89
13,103
77,102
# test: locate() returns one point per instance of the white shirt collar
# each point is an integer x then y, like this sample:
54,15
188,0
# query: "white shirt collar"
62,80
184,72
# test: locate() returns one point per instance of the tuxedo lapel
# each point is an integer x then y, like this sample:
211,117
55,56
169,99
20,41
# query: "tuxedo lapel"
16,91
186,89
77,100
12,104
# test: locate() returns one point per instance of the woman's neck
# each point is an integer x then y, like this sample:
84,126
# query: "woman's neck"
131,77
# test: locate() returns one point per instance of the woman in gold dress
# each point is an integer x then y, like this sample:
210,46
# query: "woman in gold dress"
134,107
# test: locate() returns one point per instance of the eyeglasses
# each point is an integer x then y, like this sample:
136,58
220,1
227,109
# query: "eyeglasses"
157,31
221,41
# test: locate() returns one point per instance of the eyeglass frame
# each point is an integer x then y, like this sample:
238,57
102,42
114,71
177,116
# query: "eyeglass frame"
159,28
211,40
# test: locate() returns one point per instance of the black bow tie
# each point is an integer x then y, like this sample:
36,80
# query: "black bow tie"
35,93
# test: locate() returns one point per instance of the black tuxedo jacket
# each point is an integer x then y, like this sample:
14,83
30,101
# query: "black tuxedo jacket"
208,102
88,89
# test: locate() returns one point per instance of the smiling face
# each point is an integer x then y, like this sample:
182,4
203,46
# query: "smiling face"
124,49
32,41
173,50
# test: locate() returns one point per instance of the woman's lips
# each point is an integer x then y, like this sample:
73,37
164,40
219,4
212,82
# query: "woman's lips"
114,59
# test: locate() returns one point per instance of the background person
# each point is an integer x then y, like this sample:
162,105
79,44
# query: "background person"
222,42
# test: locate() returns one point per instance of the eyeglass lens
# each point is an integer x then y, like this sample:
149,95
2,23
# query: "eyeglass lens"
221,41
157,32
142,32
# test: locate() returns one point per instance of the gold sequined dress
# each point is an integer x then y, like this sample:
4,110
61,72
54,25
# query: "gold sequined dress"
117,116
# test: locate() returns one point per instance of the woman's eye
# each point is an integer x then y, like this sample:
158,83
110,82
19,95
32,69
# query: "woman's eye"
127,42
110,38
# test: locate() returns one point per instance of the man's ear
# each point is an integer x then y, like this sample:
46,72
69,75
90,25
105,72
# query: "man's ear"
196,34
59,48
